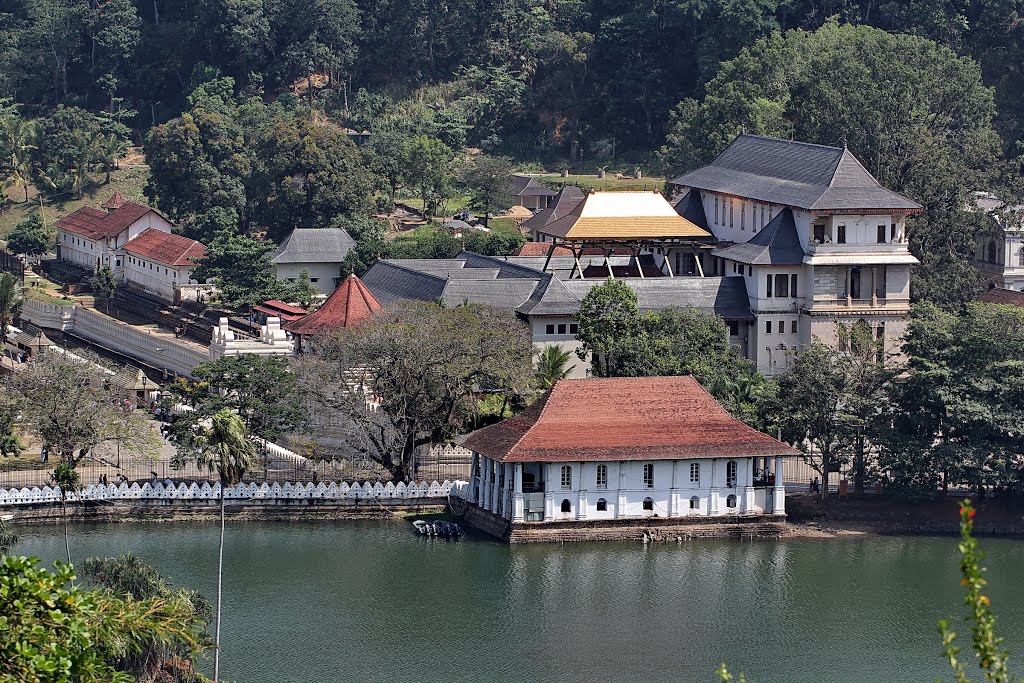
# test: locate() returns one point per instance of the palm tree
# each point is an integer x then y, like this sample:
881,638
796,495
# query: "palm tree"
224,447
17,136
110,148
11,295
66,477
553,365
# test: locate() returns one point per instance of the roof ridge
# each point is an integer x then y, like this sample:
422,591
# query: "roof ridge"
790,141
846,156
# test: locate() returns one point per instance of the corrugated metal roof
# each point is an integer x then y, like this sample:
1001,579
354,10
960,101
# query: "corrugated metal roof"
798,174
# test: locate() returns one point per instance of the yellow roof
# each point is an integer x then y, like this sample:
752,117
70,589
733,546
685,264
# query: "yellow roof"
624,215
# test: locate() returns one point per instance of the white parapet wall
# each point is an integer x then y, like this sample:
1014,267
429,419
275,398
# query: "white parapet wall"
242,493
273,341
154,350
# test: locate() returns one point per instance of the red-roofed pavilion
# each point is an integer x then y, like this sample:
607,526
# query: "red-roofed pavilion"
654,450
349,305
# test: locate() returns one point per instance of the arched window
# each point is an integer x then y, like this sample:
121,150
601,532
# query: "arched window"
648,503
1020,257
992,251
730,473
566,505
602,505
730,502
566,477
695,503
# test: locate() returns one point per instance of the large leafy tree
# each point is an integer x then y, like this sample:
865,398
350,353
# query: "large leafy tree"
240,266
405,379
31,236
488,180
11,295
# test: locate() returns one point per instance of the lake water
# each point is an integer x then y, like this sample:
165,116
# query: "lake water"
372,601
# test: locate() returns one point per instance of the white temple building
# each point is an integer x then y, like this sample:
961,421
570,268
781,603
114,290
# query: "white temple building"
605,455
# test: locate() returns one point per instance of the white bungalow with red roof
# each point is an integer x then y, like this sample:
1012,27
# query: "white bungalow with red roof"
598,458
162,263
93,238
136,242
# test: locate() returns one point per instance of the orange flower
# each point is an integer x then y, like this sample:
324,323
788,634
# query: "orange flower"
971,513
964,582
983,599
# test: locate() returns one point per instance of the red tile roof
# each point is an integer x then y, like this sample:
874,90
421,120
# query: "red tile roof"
95,224
166,248
541,249
116,201
623,418
349,305
1003,296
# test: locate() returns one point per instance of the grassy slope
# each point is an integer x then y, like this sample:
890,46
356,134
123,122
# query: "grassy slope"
128,181
592,182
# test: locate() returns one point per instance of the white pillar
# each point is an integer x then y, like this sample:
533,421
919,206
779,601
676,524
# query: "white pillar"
673,496
779,493
506,495
495,486
620,495
748,490
517,495
548,493
485,487
474,480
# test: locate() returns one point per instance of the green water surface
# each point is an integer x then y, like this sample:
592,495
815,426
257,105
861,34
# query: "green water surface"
373,601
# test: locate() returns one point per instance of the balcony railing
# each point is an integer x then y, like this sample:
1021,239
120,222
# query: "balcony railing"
847,303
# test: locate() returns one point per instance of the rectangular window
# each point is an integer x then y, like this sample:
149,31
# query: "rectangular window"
549,329
792,285
769,292
602,476
743,215
782,286
694,472
649,476
819,234
782,327
763,222
716,210
566,479
880,332
793,327
561,328
750,271
314,279
734,328
892,232
880,234
841,234
732,213
767,326
574,328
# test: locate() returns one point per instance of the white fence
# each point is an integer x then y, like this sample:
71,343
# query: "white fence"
168,490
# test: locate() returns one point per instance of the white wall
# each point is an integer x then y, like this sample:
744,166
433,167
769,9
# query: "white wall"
155,277
326,276
561,334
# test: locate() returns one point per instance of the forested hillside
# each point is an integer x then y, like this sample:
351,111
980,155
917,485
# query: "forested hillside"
236,99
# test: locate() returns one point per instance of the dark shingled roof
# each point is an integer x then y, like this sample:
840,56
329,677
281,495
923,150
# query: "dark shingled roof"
691,207
723,296
531,292
525,186
390,282
798,174
567,199
623,418
776,244
314,245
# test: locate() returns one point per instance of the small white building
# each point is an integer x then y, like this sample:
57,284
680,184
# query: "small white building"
93,238
317,250
599,455
162,264
1000,250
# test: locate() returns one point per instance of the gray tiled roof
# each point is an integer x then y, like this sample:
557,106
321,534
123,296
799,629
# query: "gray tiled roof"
776,244
798,174
506,267
551,297
567,199
314,245
691,207
391,282
724,296
525,186
505,293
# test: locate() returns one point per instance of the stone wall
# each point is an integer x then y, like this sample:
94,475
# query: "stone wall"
653,528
